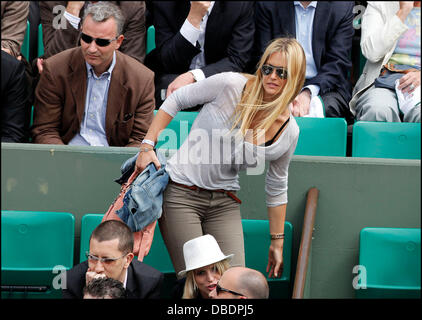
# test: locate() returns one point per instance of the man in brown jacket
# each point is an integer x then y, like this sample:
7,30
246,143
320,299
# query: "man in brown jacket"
59,19
94,94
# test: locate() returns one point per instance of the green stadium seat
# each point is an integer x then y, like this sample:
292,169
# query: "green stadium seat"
25,44
392,261
257,242
322,137
396,140
31,121
158,256
36,247
150,39
177,131
88,223
40,41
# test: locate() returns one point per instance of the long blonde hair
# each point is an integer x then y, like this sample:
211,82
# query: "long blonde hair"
191,290
252,98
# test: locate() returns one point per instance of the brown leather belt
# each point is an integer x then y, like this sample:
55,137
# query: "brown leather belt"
229,193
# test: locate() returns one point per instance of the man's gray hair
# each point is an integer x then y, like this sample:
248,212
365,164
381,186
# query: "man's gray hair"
103,10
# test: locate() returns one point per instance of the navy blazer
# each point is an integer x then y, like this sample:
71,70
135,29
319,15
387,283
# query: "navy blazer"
13,99
143,281
332,34
228,43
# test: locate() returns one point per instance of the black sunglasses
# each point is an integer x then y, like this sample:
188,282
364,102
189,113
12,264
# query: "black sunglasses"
280,71
100,42
219,289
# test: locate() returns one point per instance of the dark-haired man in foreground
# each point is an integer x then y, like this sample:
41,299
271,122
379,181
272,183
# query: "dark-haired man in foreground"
110,254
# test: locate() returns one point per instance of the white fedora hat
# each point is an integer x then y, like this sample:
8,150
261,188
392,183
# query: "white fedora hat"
200,252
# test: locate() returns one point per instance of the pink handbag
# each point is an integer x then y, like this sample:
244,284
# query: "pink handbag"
143,238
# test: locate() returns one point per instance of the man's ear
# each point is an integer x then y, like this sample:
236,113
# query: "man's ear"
129,259
119,41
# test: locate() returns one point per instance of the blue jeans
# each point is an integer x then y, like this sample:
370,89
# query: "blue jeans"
143,200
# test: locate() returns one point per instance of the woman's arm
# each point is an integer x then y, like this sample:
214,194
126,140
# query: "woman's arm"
277,217
146,154
276,200
188,96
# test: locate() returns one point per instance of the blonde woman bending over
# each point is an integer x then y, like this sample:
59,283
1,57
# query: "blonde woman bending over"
244,122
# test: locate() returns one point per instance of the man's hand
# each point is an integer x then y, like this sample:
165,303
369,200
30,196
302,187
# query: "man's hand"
74,7
410,81
301,104
91,275
198,9
182,80
8,51
405,8
39,65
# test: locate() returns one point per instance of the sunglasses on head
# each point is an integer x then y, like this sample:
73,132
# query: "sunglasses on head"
280,71
219,289
100,42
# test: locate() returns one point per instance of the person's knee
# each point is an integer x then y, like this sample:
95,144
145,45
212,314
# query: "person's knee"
336,107
378,110
414,115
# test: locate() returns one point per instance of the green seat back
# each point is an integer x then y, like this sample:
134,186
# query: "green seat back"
88,223
158,256
177,131
31,120
33,245
40,41
392,259
257,242
150,39
321,137
396,140
25,44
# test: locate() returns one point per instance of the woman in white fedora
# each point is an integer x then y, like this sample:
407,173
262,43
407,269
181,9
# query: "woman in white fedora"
205,264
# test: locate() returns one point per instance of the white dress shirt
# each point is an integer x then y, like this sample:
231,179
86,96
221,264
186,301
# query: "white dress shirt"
194,35
304,26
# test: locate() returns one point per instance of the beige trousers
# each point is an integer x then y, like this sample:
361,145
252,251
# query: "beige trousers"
188,214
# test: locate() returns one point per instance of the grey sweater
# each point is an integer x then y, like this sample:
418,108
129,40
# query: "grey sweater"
212,155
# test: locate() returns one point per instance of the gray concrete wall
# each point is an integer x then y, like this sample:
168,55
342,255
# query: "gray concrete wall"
354,193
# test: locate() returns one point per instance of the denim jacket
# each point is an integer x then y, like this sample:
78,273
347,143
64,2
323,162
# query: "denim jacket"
142,203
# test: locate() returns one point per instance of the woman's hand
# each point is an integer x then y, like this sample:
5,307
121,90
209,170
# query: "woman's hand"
145,158
275,259
410,81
